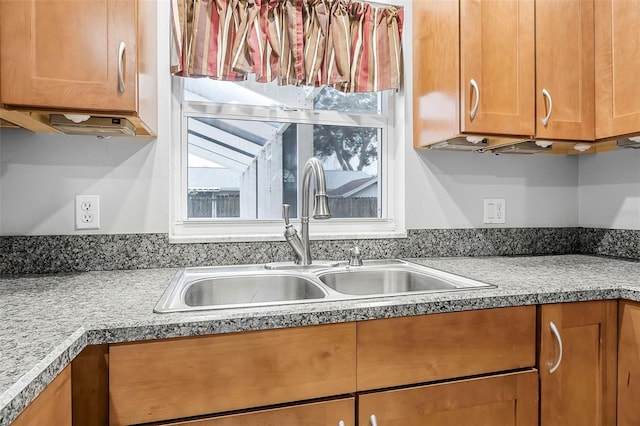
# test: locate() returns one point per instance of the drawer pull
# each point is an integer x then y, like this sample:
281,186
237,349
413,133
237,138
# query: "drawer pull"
556,333
373,420
474,86
341,423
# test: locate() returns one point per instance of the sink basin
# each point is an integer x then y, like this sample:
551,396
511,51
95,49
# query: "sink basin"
221,287
250,289
382,282
236,287
380,279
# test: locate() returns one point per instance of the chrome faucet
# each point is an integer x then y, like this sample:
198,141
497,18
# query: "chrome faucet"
320,210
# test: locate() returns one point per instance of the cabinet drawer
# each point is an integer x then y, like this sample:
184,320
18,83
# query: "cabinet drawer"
400,351
177,378
504,400
327,413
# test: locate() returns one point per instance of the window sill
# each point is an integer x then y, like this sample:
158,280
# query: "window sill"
248,231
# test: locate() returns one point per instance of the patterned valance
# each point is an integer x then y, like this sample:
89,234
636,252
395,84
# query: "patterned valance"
349,45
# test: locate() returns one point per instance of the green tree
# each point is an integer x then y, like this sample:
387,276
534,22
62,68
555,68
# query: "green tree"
345,142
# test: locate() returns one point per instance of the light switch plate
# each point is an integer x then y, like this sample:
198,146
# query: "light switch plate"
495,210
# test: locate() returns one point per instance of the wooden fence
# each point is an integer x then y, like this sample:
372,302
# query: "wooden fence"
354,207
203,204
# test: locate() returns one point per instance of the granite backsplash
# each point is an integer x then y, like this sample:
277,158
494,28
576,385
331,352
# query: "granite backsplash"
73,253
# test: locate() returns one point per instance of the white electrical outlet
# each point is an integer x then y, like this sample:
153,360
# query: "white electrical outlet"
87,212
495,210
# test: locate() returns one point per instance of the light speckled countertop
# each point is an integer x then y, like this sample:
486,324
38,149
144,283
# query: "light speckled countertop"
46,320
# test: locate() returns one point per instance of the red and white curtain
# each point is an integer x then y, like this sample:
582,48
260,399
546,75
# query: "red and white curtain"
349,45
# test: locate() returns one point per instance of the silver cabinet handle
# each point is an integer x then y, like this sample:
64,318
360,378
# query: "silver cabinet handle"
341,423
556,333
121,49
473,111
547,95
373,420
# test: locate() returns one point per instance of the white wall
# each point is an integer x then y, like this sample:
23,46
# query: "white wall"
609,190
40,176
446,189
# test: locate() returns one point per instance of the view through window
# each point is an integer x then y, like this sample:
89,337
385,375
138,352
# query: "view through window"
245,157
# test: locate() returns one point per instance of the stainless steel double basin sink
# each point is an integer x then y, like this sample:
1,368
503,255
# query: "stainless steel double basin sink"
204,288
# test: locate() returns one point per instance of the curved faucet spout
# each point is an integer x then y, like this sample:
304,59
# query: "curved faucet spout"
314,168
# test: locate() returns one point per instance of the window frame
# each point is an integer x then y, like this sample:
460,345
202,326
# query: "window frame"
391,225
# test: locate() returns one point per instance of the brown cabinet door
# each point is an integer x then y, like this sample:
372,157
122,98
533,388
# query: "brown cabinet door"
617,65
175,378
66,54
497,55
629,364
402,351
581,389
436,71
565,69
326,413
505,400
52,406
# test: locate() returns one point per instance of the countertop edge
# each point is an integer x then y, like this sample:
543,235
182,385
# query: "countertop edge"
30,385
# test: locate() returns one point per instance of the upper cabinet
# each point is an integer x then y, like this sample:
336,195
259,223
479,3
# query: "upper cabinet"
503,72
617,68
71,55
497,66
436,71
565,70
93,57
473,69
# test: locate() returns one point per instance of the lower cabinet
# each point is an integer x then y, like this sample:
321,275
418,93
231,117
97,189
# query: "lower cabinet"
629,364
306,376
577,363
52,406
505,400
475,367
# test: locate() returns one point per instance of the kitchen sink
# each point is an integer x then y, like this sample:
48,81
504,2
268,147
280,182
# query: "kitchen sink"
205,288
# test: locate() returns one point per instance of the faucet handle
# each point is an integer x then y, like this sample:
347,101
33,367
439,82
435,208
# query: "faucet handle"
285,214
355,257
292,236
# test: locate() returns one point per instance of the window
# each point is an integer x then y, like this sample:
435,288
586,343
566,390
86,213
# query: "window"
242,146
